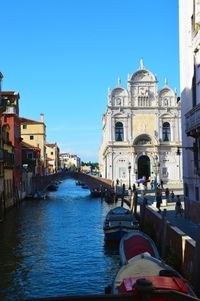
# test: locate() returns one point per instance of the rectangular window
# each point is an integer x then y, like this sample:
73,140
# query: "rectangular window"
31,137
24,126
122,172
164,171
197,193
51,153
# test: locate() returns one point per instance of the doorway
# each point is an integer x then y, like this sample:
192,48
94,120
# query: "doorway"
143,167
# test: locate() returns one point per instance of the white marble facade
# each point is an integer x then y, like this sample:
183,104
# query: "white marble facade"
141,131
189,41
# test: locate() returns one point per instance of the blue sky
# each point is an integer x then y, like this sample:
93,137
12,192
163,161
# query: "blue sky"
62,55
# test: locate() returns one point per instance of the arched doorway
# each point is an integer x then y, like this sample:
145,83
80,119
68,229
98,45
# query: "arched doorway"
143,167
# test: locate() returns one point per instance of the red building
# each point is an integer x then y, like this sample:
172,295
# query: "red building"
10,119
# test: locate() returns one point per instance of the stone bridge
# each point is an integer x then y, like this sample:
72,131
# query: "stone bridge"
94,182
41,183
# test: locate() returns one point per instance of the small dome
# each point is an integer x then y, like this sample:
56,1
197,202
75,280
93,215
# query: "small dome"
166,92
119,91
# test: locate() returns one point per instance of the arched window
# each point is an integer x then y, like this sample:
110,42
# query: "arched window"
119,131
166,131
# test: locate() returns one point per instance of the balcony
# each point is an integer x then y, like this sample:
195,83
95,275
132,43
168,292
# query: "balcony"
193,122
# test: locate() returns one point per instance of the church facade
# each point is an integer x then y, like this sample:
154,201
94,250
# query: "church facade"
141,131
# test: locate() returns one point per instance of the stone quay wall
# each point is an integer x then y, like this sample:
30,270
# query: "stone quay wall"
177,241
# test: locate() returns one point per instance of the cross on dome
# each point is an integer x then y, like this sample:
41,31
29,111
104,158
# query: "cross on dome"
119,81
141,63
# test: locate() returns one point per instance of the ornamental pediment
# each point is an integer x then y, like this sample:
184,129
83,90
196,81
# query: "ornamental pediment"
120,115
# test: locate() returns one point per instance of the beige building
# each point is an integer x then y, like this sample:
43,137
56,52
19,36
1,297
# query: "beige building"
141,131
52,152
34,133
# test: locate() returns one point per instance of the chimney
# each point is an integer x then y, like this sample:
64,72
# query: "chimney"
42,117
1,77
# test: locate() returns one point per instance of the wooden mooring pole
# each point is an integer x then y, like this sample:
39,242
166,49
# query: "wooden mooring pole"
196,264
163,233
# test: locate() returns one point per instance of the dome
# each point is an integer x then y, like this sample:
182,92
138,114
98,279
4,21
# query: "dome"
119,91
142,75
166,92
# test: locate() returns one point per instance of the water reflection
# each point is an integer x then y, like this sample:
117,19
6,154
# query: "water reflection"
55,247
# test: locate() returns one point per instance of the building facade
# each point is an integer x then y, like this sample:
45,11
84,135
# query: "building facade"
141,131
189,41
31,158
52,151
34,133
69,161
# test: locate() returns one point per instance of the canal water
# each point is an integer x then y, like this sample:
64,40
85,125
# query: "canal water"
55,247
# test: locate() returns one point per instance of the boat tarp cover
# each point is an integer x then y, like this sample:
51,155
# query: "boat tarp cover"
159,282
136,246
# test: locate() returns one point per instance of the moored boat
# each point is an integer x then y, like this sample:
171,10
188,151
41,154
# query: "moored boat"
84,186
118,222
96,192
135,243
151,273
40,195
78,183
53,186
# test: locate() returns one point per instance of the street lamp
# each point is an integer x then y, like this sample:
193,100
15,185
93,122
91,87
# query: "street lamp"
129,174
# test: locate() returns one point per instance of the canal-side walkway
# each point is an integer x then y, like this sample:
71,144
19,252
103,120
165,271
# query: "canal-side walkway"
184,224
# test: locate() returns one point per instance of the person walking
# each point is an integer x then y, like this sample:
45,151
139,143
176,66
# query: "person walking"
178,207
129,195
172,196
161,184
134,187
167,195
158,199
